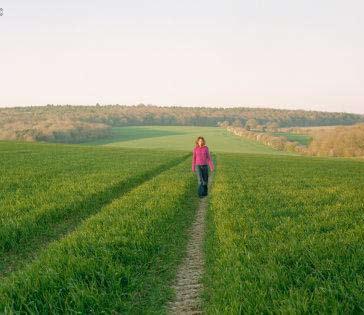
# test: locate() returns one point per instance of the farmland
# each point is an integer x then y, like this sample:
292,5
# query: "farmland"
103,226
181,138
285,235
118,260
48,189
74,124
302,139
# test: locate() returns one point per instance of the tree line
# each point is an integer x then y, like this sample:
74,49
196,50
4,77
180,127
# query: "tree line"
340,141
69,123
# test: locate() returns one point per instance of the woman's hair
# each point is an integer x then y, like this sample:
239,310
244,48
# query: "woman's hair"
198,138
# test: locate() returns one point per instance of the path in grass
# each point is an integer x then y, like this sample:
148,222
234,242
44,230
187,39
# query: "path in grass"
187,285
66,217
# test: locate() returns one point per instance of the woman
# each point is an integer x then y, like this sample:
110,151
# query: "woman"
200,159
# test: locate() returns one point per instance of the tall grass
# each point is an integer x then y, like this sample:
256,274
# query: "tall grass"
285,236
43,185
122,260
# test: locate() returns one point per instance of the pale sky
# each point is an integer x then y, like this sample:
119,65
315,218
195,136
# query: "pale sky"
306,54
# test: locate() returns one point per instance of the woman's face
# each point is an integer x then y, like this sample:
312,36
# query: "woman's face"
200,142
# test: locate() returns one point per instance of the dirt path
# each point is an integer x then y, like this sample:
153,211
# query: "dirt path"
188,285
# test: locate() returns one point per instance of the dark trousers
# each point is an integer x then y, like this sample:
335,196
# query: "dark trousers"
202,177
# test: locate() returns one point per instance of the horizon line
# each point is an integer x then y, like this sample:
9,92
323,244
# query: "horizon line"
182,106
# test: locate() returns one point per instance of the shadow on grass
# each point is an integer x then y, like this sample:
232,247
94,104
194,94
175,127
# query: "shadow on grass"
27,247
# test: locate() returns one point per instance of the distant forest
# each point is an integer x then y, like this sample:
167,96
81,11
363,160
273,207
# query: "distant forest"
68,123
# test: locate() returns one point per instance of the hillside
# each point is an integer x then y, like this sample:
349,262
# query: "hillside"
102,228
72,124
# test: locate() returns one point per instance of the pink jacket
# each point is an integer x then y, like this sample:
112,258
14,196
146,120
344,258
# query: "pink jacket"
201,156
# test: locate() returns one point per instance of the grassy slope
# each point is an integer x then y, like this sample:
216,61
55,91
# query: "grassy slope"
121,260
45,190
285,235
302,139
182,138
284,232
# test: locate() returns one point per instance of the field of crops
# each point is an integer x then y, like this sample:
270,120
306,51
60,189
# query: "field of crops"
182,138
46,190
117,259
285,235
300,138
103,228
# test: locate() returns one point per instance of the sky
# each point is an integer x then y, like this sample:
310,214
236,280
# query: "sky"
302,54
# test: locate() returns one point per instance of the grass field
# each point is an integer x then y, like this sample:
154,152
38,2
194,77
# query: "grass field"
302,139
46,190
285,235
119,260
182,138
102,227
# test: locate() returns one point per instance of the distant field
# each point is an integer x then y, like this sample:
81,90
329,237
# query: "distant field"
302,139
182,138
287,129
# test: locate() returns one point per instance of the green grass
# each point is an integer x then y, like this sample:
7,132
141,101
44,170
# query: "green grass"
285,236
101,227
47,189
182,138
302,139
121,260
